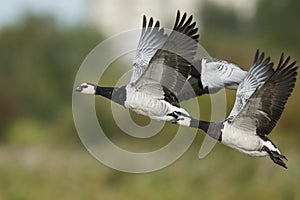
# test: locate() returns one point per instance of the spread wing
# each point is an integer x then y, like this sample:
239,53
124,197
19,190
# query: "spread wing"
152,38
170,66
260,71
210,75
265,106
217,74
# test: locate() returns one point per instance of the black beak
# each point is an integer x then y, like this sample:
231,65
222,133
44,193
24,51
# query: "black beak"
78,89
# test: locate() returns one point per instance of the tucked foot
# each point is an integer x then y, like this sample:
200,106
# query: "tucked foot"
176,120
181,119
173,114
178,116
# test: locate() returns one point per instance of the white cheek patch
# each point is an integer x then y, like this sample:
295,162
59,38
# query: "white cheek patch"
90,90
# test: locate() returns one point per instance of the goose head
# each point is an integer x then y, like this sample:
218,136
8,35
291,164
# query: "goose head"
86,88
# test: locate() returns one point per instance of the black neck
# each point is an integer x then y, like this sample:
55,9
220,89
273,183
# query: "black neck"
115,94
213,129
203,125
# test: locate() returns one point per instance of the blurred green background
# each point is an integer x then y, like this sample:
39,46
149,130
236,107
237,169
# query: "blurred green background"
41,156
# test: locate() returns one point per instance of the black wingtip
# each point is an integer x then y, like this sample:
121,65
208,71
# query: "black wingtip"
281,59
186,26
144,21
150,22
182,19
256,54
177,18
286,61
262,56
283,64
258,58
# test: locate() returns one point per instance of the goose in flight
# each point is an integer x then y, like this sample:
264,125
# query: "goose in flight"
161,67
162,71
260,101
207,75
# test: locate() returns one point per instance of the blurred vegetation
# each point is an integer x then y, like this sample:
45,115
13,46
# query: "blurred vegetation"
40,152
39,60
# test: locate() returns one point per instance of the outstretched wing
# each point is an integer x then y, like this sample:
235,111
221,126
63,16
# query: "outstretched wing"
217,74
170,66
210,75
258,74
265,106
152,38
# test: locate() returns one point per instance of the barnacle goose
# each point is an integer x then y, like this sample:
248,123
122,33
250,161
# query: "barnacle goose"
206,75
260,101
161,67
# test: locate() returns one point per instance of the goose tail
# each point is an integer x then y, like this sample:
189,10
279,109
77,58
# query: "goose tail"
274,154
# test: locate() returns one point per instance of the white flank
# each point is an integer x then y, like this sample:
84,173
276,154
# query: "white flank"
203,70
148,105
244,141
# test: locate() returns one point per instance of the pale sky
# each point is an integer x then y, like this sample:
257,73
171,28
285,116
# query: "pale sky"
74,11
69,11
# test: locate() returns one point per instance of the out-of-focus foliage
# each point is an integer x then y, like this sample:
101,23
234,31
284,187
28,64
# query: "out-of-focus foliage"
38,63
215,18
278,22
39,60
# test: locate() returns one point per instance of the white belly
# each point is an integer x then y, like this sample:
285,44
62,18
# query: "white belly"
243,141
154,108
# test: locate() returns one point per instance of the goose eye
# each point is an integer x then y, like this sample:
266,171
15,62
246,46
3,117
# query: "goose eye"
84,86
